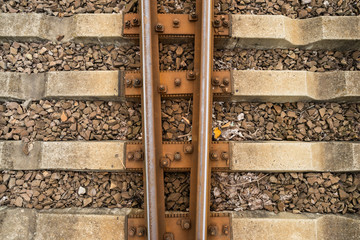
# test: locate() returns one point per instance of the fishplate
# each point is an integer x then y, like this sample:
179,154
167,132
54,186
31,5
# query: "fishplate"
178,227
178,155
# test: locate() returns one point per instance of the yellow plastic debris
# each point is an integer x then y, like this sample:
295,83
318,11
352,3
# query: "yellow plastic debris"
217,133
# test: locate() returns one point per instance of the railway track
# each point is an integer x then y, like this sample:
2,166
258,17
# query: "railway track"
307,90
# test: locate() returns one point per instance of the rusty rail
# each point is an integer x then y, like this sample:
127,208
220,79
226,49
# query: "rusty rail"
152,133
197,224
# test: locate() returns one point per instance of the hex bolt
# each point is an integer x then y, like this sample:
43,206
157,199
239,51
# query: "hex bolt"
191,75
217,23
193,16
164,163
137,83
212,230
136,22
214,156
225,156
225,230
162,88
159,27
128,24
138,156
177,82
168,236
176,23
177,156
185,224
188,149
128,82
215,81
225,23
132,231
130,156
226,81
141,231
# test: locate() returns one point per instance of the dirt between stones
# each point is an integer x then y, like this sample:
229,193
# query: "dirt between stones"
277,192
293,9
37,57
102,120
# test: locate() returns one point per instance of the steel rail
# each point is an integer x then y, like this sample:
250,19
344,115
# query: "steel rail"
203,170
152,131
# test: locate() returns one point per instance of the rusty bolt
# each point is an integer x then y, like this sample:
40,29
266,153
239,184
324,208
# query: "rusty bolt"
128,82
159,27
177,156
217,23
225,230
168,236
141,231
128,24
164,162
226,81
214,156
215,81
225,156
130,156
212,229
138,156
132,231
162,88
177,82
137,83
176,23
191,75
225,23
136,22
185,224
193,16
188,149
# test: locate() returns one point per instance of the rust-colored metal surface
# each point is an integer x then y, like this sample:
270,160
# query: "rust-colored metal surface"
221,24
151,112
168,24
177,83
177,226
199,155
178,155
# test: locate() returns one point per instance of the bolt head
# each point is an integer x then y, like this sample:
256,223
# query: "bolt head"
137,82
128,82
226,81
130,156
186,224
138,155
162,88
188,149
177,82
212,230
128,23
141,231
214,156
177,156
225,23
165,162
132,231
225,229
216,81
225,156
176,21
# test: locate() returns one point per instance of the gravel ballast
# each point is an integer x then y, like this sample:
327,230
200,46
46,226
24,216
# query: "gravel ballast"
294,9
38,57
64,120
276,192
